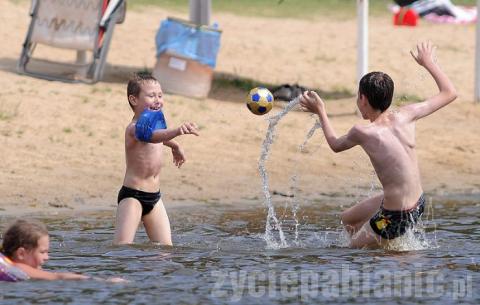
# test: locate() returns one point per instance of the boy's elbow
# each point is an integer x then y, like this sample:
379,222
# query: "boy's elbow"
334,145
452,94
335,148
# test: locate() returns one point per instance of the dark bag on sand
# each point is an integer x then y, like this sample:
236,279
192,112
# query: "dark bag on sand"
404,2
287,92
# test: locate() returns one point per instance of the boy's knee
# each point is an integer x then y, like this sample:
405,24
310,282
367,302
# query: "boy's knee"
345,218
118,242
350,226
163,242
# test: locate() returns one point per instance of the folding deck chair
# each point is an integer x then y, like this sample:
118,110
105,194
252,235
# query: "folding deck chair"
85,26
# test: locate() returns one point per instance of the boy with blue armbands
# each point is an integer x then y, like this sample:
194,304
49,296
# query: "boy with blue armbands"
139,198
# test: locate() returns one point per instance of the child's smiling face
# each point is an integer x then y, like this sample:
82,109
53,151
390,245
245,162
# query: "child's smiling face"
150,97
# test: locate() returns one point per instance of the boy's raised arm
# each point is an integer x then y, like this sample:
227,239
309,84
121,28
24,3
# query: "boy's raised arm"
447,92
166,135
310,101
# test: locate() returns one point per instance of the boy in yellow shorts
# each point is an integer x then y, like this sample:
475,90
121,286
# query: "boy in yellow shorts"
389,141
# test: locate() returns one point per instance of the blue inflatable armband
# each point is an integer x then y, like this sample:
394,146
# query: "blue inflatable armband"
147,123
10,273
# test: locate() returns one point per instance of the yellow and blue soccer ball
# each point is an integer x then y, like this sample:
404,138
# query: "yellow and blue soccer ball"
259,101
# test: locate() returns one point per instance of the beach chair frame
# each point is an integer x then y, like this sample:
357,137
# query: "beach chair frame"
95,68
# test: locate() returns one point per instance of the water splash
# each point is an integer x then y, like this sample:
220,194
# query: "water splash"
310,133
294,181
274,233
413,240
273,224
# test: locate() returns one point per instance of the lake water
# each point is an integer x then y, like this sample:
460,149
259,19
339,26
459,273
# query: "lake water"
221,256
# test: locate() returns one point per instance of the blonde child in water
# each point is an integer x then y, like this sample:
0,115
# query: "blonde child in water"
139,199
24,251
25,247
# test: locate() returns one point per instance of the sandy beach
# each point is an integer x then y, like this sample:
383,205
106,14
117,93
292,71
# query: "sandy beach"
62,145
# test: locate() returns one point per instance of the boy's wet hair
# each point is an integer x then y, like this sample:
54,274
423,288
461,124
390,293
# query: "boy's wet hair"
22,233
378,88
135,83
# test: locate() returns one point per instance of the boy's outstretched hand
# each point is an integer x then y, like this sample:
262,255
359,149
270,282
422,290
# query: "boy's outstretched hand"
425,51
311,102
188,128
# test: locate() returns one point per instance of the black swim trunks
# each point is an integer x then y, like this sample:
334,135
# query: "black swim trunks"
147,200
392,224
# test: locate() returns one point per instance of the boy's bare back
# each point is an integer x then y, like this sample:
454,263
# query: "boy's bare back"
389,142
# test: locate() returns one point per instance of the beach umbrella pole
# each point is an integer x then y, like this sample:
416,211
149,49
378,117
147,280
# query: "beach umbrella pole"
362,38
477,58
200,11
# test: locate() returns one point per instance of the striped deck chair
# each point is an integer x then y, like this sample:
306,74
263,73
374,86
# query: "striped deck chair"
61,29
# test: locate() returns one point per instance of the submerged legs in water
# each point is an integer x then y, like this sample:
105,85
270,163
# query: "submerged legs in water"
354,217
129,215
356,222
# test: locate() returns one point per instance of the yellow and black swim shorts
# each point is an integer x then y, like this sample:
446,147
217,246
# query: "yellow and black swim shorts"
392,224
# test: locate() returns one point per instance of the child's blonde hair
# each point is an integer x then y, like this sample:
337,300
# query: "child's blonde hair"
22,233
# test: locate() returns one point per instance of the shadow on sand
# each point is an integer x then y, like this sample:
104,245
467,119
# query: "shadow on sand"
225,86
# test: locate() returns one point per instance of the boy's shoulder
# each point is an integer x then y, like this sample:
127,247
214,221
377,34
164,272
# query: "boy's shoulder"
130,132
131,127
363,133
357,133
361,129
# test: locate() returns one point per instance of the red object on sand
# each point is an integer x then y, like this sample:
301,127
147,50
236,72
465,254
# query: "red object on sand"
405,16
